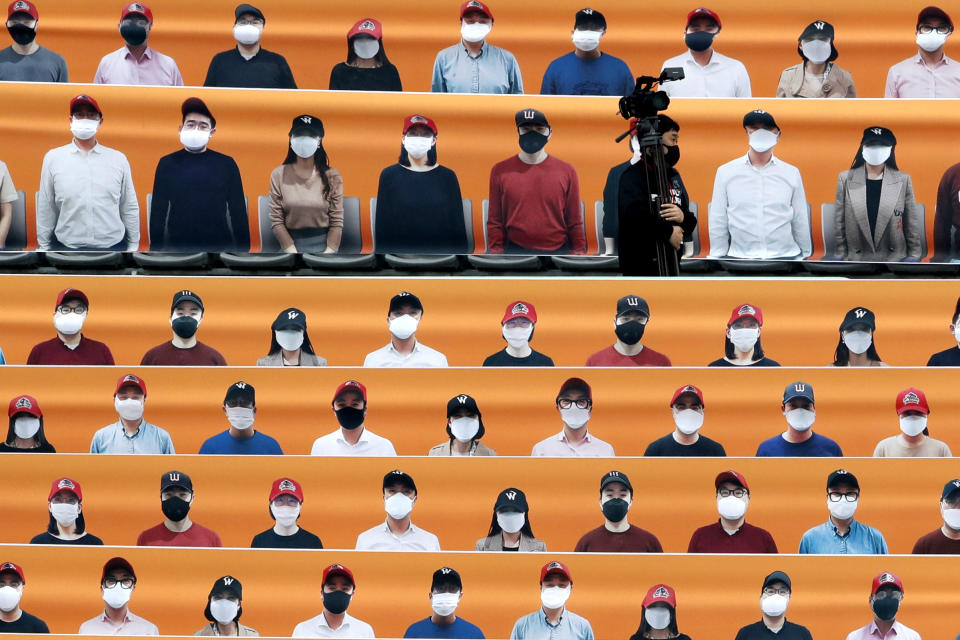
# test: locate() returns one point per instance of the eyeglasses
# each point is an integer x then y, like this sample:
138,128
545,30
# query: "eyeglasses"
566,403
835,496
126,583
770,591
256,22
942,30
65,310
140,22
726,493
881,595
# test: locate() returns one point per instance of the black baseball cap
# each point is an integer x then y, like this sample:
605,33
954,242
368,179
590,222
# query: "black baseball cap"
798,389
175,479
759,117
859,315
933,12
616,476
632,303
185,296
842,476
531,116
446,577
404,299
776,576
248,8
226,584
950,488
291,318
512,498
307,125
878,136
463,401
589,18
241,391
397,476
575,383
817,28
196,105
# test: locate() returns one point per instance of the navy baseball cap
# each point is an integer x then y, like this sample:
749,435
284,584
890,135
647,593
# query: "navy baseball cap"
798,390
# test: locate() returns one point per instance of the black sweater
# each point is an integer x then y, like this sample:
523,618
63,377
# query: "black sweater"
347,78
266,70
419,212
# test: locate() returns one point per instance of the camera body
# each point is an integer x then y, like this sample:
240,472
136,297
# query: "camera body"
644,102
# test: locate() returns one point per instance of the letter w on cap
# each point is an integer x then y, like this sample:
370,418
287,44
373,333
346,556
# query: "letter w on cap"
800,387
633,301
462,399
528,114
511,495
174,477
877,130
818,25
292,314
228,580
860,313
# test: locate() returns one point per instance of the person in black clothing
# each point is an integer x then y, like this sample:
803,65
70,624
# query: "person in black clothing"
66,525
367,67
687,407
628,228
774,598
286,499
517,327
742,346
25,433
419,206
13,619
950,357
198,202
247,64
659,615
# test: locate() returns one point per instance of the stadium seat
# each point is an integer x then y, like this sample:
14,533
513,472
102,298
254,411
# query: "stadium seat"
415,262
349,256
270,256
81,260
829,264
13,255
501,262
163,260
598,262
923,268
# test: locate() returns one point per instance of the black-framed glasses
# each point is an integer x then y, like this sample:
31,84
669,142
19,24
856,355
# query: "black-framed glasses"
126,583
836,496
942,30
255,22
770,591
566,403
65,310
739,492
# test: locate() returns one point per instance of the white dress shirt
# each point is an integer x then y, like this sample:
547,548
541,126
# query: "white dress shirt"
87,199
722,77
317,627
421,356
759,213
369,444
380,538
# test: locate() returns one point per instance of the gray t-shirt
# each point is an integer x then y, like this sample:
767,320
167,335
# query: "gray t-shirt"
41,66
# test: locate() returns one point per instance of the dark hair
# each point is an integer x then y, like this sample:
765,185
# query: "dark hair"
956,311
320,161
891,162
381,57
431,156
645,626
666,123
275,346
79,524
525,530
38,436
841,357
728,348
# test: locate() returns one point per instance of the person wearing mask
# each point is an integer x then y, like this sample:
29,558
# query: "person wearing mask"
353,438
25,433
949,357
398,533
774,598
66,525
223,610
799,440
517,327
686,439
574,403
404,350
946,539
286,502
136,62
419,204
186,313
617,535
553,619
473,65
13,619
131,433
446,592
198,200
742,346
178,530
70,346
117,583
586,71
8,195
464,428
534,197
338,590
876,216
731,533
25,60
367,67
659,618
707,73
930,73
856,347
759,208
290,345
886,594
87,200
914,440
510,528
241,439
248,64
816,76
842,533
306,193
633,314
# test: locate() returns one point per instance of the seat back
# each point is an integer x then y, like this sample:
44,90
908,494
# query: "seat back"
17,235
351,240
695,234
268,241
922,218
598,224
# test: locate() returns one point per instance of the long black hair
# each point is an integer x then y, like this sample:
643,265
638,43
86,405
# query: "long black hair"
645,626
275,346
526,529
320,161
841,357
38,436
381,58
891,162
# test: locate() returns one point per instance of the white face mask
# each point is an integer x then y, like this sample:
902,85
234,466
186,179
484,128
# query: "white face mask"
817,51
69,324
398,506
763,140
194,139
511,521
554,597
443,604
304,146
575,417
285,516
246,34
744,339
289,339
84,129
517,337
116,596
857,341
464,428
26,426
876,155
688,421
240,417
10,598
932,41
913,425
956,334
403,326
586,40
731,507
128,408
65,514
224,611
775,605
417,146
842,510
657,617
366,48
800,419
475,32
951,518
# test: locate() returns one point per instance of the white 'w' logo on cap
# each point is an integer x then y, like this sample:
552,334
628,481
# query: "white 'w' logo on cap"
241,385
860,313
292,314
306,119
174,477
462,399
529,114
227,580
819,25
800,387
633,301
877,130
614,473
589,12
445,570
511,495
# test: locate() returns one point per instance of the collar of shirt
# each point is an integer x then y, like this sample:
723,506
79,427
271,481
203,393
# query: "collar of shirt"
147,54
410,530
943,61
715,59
483,50
96,149
127,617
322,622
875,630
562,437
773,161
853,525
123,430
727,531
416,349
363,438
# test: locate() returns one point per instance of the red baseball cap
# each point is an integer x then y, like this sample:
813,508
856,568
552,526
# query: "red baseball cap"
131,380
350,385
575,383
117,563
65,484
24,404
746,311
519,309
884,579
687,389
732,476
84,99
367,26
338,570
9,566
912,400
703,12
409,121
70,294
555,567
475,5
660,593
22,6
137,8
286,487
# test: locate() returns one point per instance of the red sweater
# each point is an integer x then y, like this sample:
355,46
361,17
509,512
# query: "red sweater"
196,536
633,540
55,352
948,212
536,206
167,355
610,357
749,539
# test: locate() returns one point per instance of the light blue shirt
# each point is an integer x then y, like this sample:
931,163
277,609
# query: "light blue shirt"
2,359
860,538
149,439
534,626
495,70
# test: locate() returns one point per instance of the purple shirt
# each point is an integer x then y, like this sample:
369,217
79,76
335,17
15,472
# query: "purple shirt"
914,79
132,625
898,631
558,447
120,67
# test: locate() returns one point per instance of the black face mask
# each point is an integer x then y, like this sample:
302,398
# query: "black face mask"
175,508
349,418
336,601
672,157
699,40
886,609
134,35
615,510
630,332
532,141
185,326
22,34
